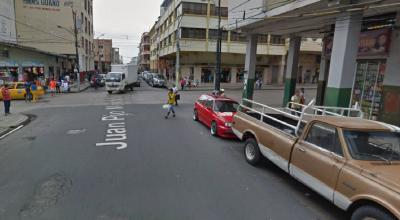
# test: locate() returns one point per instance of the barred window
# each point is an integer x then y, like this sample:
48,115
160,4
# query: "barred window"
214,11
277,40
194,33
238,37
194,8
213,34
263,38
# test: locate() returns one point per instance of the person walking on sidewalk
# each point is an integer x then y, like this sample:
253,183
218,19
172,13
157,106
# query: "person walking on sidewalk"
171,103
53,86
6,98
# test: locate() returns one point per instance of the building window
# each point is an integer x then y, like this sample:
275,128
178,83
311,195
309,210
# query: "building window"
214,11
238,37
82,42
263,38
194,8
85,2
277,40
194,33
86,25
213,34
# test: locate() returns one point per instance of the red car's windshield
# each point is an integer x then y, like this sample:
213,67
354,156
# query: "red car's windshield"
225,106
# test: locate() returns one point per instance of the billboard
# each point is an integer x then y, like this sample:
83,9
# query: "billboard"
7,22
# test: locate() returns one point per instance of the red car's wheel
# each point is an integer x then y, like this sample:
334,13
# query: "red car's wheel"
214,128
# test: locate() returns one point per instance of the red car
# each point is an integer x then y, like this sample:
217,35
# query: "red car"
217,113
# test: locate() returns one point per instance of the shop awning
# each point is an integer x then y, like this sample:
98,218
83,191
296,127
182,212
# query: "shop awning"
8,63
32,64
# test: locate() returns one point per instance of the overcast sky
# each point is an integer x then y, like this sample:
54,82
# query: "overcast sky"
124,21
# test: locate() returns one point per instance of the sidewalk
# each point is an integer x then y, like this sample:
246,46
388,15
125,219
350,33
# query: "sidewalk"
84,85
239,86
10,122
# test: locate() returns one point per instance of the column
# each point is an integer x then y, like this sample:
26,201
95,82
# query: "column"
250,66
343,60
267,75
390,111
322,78
292,68
282,69
233,74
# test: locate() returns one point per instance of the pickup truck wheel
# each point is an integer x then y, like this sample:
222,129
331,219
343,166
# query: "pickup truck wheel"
371,213
213,128
252,152
195,115
109,92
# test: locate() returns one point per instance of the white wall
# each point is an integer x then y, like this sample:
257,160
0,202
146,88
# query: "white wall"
7,25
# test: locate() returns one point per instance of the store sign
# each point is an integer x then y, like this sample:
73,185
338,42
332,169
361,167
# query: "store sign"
371,43
48,5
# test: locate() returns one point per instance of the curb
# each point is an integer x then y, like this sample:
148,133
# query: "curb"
21,124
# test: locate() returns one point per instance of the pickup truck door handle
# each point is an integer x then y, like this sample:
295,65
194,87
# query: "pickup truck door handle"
301,149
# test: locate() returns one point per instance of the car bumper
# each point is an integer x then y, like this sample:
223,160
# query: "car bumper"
226,132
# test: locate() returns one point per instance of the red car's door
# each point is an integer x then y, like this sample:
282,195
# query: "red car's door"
208,112
199,106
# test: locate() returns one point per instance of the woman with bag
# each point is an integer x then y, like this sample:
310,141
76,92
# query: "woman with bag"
170,103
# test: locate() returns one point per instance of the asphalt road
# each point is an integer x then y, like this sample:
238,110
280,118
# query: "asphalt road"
170,169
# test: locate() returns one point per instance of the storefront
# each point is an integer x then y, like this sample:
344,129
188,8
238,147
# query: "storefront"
33,71
367,89
9,71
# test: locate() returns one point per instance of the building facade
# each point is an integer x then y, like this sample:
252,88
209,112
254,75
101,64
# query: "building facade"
49,26
144,52
116,57
361,53
103,55
19,62
193,25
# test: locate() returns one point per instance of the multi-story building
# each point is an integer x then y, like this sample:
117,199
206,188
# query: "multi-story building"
20,60
144,52
194,24
103,55
154,42
116,58
49,26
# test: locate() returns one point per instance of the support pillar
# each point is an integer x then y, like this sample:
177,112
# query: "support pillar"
292,67
250,66
233,74
390,109
322,78
343,59
282,70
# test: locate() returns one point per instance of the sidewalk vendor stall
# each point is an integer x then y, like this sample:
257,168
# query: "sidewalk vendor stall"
9,71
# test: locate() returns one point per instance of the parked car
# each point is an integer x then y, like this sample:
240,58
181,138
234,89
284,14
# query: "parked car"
352,162
17,91
158,80
97,80
217,113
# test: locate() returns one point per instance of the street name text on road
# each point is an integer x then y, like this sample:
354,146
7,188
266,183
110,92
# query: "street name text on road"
116,134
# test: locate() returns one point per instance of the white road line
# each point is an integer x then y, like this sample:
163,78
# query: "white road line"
12,131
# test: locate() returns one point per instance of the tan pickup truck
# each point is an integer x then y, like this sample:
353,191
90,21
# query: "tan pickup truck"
352,162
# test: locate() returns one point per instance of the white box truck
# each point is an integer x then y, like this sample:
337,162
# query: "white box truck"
121,78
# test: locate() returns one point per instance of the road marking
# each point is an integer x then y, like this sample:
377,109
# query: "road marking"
12,131
116,132
75,132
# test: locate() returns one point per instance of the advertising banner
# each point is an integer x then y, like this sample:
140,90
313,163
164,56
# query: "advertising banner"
371,43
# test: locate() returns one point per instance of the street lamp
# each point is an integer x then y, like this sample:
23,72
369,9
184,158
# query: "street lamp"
217,82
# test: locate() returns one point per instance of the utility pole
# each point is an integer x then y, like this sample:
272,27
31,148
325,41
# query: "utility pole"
178,50
219,47
78,78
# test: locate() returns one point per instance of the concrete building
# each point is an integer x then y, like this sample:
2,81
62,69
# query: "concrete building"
116,57
19,62
49,26
194,24
361,53
154,47
144,52
103,55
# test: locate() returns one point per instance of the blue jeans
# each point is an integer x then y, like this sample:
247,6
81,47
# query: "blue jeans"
7,104
171,109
